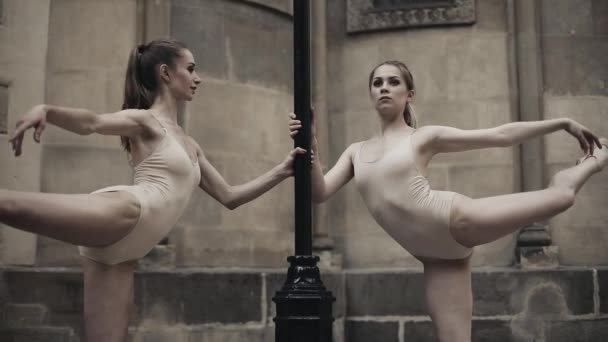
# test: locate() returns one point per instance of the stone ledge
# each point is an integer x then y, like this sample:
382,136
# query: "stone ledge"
509,291
506,300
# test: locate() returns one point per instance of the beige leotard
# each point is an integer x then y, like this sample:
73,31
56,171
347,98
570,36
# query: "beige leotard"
402,202
163,183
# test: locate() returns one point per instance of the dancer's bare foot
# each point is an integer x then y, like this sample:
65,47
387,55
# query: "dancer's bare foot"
602,154
599,156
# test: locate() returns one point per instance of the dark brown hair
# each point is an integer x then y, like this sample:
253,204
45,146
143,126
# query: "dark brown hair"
408,113
142,79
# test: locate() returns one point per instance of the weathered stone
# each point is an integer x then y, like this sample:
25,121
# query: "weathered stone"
68,168
469,71
493,330
567,18
600,17
161,257
492,16
385,294
577,331
95,42
260,46
369,331
602,281
511,292
419,332
201,28
279,5
196,298
234,299
18,315
60,291
575,65
38,334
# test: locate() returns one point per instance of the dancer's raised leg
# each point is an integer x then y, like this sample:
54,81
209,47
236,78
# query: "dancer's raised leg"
93,220
478,221
449,298
108,300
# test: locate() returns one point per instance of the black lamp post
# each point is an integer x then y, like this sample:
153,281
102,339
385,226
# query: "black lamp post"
304,305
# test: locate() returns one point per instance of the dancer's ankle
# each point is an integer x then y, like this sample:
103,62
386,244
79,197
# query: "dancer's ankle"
588,159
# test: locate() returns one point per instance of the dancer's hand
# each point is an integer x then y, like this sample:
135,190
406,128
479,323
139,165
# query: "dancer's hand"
35,118
586,139
295,125
286,166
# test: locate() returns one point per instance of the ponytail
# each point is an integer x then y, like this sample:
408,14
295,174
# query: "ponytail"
141,80
410,116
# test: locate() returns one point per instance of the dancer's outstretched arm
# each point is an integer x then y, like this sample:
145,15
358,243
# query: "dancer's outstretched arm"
448,139
232,196
324,186
128,123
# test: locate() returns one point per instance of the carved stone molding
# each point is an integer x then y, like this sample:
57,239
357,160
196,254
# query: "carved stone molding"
371,15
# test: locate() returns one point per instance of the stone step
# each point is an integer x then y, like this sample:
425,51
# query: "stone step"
16,315
38,334
520,329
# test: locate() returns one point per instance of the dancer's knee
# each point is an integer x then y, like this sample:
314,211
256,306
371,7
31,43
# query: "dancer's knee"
462,226
8,208
563,196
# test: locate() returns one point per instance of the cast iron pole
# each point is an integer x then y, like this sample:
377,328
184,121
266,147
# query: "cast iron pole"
304,306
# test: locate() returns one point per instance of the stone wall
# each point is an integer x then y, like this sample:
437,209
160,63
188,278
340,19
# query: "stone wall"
566,305
23,37
244,55
575,43
86,63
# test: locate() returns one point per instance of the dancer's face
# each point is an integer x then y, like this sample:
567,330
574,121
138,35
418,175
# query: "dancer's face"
388,91
182,79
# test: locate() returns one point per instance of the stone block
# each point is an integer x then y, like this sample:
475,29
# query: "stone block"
575,65
600,17
38,334
602,281
567,18
19,315
161,257
373,247
493,330
384,294
333,282
423,331
235,298
260,46
105,36
369,331
257,334
201,27
546,293
279,5
473,75
59,291
75,169
197,298
591,330
236,246
479,181
492,16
